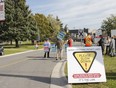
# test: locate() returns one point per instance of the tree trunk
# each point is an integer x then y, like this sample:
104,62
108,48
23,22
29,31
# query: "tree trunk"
32,42
16,43
11,42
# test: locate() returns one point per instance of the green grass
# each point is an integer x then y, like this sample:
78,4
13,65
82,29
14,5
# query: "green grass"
110,68
10,49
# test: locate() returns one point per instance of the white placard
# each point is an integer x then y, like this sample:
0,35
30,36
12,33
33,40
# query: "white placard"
85,65
2,11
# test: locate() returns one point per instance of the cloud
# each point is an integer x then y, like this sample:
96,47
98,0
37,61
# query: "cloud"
77,13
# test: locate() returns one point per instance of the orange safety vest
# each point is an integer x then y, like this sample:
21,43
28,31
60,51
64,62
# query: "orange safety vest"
88,41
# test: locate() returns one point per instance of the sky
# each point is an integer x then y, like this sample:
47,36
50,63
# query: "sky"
76,14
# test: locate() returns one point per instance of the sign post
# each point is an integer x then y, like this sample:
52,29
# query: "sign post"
85,65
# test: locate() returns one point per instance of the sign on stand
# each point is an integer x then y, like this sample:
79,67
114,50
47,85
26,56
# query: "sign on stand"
85,65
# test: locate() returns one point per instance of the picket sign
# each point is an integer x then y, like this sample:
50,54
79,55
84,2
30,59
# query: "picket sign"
46,48
61,35
53,48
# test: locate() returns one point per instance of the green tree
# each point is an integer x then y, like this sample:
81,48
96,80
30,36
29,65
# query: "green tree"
4,26
43,25
19,24
34,33
55,25
109,24
67,32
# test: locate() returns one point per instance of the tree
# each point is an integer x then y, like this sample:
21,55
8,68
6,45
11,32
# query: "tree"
4,35
109,24
55,25
34,33
66,28
44,26
67,33
19,24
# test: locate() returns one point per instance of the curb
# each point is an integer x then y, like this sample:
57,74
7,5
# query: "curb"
58,78
19,53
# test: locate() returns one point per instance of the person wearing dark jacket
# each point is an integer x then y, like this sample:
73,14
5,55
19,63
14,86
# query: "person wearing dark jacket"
101,43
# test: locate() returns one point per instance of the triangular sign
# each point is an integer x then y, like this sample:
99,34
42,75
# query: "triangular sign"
85,59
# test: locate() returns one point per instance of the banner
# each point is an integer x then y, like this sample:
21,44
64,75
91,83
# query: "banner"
2,11
85,65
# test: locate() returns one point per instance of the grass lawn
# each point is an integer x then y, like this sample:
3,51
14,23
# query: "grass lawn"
110,68
10,49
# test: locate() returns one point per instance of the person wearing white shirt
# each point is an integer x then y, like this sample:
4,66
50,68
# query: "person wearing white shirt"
47,46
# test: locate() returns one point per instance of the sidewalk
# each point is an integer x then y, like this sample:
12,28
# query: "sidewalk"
58,78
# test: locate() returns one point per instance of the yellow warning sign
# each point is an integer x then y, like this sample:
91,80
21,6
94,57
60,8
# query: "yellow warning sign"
85,59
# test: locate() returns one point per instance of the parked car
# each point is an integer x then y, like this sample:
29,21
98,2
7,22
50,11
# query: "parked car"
1,50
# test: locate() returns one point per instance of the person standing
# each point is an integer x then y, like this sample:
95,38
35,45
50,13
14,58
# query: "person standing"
108,40
70,42
101,43
36,45
111,47
88,40
47,46
59,45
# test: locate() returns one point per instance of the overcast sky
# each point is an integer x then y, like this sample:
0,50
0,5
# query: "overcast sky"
76,13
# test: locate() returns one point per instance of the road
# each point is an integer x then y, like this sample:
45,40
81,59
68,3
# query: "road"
26,70
30,70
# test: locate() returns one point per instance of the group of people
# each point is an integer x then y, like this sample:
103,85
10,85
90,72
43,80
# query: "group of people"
88,41
105,44
59,47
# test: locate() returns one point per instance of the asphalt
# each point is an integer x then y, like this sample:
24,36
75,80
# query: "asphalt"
58,78
58,72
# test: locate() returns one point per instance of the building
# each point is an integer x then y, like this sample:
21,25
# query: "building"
78,34
74,34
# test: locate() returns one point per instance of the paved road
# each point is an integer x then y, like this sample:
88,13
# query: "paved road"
26,70
31,70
